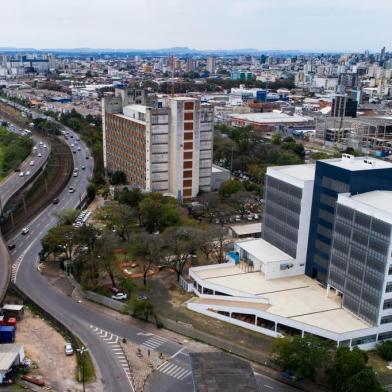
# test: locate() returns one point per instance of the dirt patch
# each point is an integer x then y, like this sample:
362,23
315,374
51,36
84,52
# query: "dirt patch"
45,347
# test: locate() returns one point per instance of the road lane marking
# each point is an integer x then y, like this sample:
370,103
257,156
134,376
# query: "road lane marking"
178,352
113,341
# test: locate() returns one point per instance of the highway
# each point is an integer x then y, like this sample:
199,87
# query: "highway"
90,325
8,187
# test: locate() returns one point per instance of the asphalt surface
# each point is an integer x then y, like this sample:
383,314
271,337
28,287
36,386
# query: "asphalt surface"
83,320
9,186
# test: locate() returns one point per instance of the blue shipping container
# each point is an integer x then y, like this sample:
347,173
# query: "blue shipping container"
7,334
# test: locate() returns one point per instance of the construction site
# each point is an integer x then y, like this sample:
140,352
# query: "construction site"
371,135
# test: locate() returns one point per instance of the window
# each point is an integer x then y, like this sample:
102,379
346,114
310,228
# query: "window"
188,155
387,304
188,146
188,116
388,288
188,126
188,106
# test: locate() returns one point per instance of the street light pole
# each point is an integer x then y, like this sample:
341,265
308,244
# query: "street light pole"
81,351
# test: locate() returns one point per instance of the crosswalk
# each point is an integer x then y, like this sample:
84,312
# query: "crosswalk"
113,341
173,370
154,342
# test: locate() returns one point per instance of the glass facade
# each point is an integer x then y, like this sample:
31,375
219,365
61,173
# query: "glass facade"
282,203
330,180
358,262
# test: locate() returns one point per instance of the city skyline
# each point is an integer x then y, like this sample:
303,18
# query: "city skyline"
224,24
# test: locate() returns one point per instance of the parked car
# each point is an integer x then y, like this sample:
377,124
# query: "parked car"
68,349
25,230
256,217
119,296
237,218
11,246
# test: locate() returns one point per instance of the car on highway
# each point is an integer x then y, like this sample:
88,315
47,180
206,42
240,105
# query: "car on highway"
21,174
78,139
28,173
79,148
71,189
119,296
75,174
72,145
86,156
31,163
83,167
74,151
11,246
39,155
25,230
68,349
35,148
17,170
56,200
45,146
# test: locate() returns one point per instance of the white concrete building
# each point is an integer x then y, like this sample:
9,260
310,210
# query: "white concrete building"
162,146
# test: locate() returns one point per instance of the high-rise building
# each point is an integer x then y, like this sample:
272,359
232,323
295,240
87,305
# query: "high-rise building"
211,64
335,217
344,106
163,146
333,176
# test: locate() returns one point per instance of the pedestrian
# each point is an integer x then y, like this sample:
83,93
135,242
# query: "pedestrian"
148,352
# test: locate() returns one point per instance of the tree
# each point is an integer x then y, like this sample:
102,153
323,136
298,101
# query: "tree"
384,350
105,257
302,356
230,187
59,240
91,191
119,217
181,246
67,217
276,139
147,248
364,381
118,178
346,364
158,212
141,308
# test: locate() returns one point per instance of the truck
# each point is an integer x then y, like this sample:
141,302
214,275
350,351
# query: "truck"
7,334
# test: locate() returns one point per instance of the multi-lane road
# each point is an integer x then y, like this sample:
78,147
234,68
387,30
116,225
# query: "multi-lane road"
12,184
97,330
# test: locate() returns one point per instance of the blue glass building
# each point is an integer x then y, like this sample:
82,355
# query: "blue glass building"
333,176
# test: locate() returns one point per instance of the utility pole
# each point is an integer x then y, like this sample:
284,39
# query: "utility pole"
81,351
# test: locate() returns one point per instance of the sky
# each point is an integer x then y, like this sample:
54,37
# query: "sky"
312,25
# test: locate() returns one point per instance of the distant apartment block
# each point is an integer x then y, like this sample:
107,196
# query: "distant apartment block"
162,145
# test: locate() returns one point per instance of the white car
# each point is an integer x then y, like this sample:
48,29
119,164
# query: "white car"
71,189
68,349
45,146
119,296
31,163
21,174
39,155
28,173
75,174
79,148
25,230
72,145
35,148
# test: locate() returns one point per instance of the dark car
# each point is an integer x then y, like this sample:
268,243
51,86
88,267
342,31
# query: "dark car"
56,200
11,246
86,157
17,170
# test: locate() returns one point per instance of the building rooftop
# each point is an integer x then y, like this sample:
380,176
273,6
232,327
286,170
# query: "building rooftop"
264,251
218,371
297,297
248,229
304,172
270,118
9,352
349,162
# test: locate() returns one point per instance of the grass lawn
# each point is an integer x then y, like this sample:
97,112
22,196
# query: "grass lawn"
384,375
